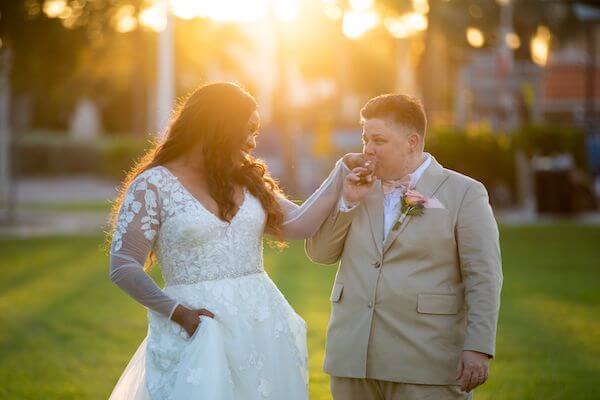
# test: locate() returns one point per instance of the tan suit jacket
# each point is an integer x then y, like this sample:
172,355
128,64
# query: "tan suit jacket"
403,310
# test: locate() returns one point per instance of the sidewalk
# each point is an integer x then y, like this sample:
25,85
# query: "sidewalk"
80,189
33,223
515,216
57,206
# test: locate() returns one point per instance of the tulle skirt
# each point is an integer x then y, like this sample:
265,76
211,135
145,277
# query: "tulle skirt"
254,348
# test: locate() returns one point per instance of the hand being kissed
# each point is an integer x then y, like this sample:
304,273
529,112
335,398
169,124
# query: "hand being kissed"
360,179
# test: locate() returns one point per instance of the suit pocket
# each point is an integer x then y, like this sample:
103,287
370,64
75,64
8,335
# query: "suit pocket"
438,303
336,292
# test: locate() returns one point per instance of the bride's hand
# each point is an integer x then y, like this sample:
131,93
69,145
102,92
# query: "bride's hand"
357,184
360,162
353,160
189,319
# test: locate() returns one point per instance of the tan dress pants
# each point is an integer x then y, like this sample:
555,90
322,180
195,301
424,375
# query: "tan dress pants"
372,389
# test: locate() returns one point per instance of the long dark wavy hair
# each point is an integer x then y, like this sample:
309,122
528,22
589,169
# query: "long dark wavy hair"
213,118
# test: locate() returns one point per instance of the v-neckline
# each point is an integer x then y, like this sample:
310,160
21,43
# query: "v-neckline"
202,205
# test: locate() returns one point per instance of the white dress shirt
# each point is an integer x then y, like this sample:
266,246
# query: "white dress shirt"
391,201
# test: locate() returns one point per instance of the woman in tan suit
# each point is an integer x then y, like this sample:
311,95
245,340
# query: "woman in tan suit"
416,297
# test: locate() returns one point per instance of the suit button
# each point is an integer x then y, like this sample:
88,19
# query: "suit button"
370,305
377,264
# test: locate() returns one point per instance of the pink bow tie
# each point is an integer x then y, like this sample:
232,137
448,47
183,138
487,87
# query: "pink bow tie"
403,184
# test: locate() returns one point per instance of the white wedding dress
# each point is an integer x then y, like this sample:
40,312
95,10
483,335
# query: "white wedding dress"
255,347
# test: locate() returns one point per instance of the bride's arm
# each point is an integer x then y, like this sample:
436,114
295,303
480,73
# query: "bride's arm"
303,221
135,233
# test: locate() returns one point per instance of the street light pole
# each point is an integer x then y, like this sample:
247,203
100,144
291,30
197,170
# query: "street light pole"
281,105
6,204
165,85
505,65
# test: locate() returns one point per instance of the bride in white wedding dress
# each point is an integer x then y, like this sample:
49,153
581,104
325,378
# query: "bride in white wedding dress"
200,204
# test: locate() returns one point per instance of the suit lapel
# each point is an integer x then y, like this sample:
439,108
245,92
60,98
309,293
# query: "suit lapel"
374,205
432,179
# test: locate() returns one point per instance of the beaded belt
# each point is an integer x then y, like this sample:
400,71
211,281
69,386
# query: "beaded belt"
228,275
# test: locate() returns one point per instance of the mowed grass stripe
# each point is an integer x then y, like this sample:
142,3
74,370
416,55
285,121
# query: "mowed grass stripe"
26,257
64,324
46,288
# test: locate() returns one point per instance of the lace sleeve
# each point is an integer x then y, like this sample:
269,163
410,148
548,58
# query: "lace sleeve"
303,221
137,227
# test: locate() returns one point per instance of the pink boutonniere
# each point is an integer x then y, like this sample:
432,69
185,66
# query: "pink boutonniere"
414,203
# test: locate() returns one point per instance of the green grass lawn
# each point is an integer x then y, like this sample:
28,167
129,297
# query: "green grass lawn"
67,332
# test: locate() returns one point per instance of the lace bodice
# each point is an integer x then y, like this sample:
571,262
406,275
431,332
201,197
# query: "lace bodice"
191,243
195,245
